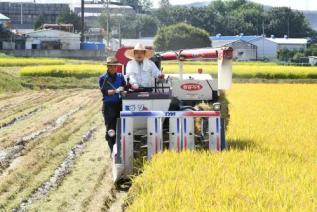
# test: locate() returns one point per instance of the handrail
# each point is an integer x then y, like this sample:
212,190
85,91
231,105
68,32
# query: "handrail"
170,114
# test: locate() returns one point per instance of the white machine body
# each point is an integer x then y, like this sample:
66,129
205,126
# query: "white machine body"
148,125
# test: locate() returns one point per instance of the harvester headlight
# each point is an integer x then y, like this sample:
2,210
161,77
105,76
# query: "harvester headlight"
111,133
216,106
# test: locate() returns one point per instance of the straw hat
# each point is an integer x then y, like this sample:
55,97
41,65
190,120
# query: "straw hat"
139,47
112,61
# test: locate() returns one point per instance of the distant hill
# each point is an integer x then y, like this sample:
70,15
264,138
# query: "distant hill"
310,15
199,4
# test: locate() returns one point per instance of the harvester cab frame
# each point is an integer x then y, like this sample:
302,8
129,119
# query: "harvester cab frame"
169,115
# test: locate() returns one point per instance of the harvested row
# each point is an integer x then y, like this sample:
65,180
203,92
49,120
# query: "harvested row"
46,117
89,182
43,156
269,165
9,154
60,173
11,101
21,117
10,108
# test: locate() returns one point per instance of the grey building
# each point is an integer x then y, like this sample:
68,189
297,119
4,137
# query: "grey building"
24,14
242,50
313,60
267,48
50,39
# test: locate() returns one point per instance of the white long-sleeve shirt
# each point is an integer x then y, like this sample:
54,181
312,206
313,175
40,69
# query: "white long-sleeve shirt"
142,74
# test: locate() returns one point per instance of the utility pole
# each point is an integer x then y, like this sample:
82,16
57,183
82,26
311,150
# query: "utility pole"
82,35
120,38
288,26
263,36
21,13
108,22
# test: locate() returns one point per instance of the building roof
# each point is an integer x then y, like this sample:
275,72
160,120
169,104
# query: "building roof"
302,41
232,43
250,38
103,6
246,38
3,17
60,33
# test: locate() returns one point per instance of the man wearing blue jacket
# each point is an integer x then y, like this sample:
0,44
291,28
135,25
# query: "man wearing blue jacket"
111,85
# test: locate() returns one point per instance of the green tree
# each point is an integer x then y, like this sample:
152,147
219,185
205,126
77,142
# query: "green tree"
181,36
39,21
69,17
164,13
128,28
235,17
311,51
298,56
146,4
147,25
284,21
138,25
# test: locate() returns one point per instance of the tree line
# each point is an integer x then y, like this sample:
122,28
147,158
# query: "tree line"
219,17
224,17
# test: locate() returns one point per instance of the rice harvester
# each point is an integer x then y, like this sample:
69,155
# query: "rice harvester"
167,116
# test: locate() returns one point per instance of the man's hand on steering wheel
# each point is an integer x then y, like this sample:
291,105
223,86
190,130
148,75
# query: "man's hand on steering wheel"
120,89
135,86
160,79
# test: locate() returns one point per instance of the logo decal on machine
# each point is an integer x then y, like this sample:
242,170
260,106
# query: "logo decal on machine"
191,87
136,107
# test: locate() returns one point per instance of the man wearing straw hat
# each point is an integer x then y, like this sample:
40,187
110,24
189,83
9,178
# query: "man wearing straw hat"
140,69
111,85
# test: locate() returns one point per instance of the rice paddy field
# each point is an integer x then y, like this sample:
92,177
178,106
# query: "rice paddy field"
69,70
270,164
53,156
244,70
12,61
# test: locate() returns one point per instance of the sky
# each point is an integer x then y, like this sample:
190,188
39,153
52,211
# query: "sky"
294,4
